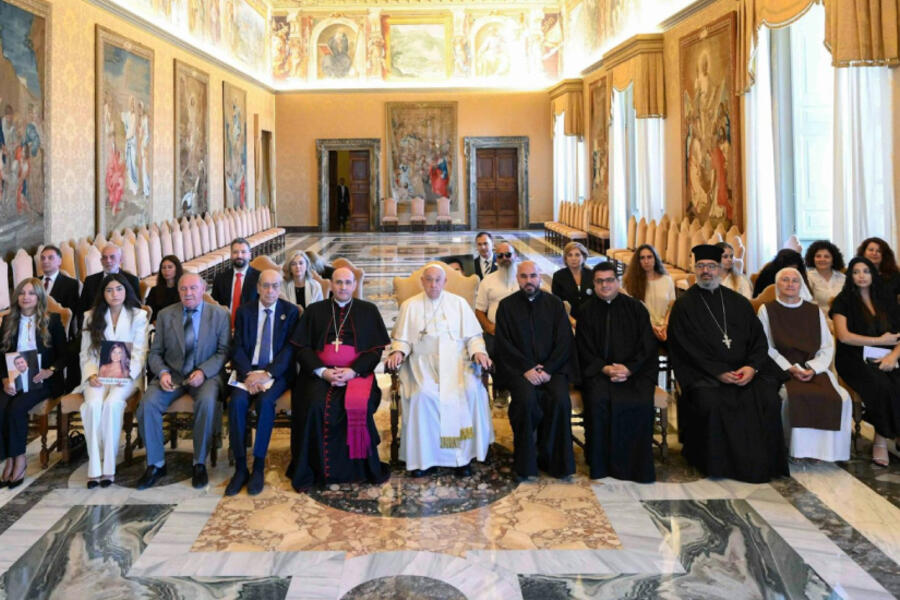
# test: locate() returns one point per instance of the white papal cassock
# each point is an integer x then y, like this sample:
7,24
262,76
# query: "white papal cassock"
446,413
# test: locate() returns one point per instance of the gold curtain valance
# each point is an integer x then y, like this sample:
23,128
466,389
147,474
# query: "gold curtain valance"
863,32
568,98
639,60
753,14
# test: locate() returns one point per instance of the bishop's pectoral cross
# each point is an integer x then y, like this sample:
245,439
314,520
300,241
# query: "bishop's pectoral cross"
727,341
337,344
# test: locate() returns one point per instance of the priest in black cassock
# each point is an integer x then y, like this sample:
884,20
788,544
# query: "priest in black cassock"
333,434
534,347
729,415
617,352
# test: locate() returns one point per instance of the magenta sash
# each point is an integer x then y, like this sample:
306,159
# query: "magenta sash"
356,398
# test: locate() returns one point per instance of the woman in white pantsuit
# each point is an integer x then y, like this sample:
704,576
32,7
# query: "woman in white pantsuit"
116,316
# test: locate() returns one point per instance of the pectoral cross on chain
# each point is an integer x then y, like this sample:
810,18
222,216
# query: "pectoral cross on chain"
337,344
727,341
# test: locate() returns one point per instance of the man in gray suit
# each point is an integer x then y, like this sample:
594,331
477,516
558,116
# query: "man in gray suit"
185,362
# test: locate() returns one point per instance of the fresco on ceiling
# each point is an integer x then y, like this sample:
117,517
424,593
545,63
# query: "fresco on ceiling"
378,46
234,30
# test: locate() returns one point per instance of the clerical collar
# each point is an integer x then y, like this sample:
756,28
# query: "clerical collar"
611,300
794,305
343,304
533,298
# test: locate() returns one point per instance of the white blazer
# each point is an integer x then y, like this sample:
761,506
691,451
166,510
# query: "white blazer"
131,327
312,291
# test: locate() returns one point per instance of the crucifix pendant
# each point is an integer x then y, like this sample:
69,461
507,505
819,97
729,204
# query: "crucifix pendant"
727,341
337,344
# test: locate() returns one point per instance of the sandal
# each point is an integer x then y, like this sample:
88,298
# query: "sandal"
880,455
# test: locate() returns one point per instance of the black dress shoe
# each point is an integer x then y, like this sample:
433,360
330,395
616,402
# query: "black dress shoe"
238,481
151,476
463,471
92,484
416,473
200,478
257,481
105,483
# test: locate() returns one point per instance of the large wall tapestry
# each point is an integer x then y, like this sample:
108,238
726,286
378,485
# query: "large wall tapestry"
191,140
24,107
124,132
456,45
418,47
710,124
234,115
600,140
421,149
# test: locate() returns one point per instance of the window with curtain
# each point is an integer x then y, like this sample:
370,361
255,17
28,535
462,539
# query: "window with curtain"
803,88
569,166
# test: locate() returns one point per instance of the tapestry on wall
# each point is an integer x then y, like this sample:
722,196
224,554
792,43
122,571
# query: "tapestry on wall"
421,149
710,124
234,115
191,140
600,141
124,132
24,106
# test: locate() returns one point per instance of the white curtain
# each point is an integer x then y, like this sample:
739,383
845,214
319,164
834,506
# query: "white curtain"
565,166
759,150
863,153
650,172
618,179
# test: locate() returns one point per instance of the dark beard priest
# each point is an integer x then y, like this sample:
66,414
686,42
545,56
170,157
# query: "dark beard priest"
333,434
729,413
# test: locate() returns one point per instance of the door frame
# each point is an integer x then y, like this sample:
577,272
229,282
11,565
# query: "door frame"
471,146
323,147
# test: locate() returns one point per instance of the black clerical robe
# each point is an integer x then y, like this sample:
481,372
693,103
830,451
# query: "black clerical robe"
530,333
319,448
618,416
726,430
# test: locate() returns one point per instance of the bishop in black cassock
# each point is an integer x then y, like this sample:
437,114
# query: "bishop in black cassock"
320,449
729,415
614,334
533,333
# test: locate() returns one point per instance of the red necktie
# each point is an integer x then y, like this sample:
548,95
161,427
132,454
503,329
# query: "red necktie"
235,296
47,284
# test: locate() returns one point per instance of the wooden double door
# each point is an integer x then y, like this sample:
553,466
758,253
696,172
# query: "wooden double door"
497,186
359,184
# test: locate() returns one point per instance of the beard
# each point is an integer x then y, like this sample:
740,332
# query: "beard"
508,274
238,262
710,285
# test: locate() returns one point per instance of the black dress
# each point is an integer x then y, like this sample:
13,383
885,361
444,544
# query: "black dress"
161,297
319,430
726,430
565,289
880,390
618,416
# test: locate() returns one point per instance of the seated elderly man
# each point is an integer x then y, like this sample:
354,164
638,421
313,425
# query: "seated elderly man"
446,416
816,412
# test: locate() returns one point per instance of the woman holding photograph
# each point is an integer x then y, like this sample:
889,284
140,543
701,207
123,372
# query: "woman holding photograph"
29,326
116,316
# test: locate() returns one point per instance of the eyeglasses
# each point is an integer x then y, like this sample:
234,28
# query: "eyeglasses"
504,254
706,266
604,280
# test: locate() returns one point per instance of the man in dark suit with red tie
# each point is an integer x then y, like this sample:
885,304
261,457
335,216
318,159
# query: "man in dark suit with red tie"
485,262
64,289
237,285
261,356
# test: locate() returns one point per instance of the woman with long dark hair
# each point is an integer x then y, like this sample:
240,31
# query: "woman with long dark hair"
116,316
881,256
731,278
165,292
866,326
29,326
824,263
647,280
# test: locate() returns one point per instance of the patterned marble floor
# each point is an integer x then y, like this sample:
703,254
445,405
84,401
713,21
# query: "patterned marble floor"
828,531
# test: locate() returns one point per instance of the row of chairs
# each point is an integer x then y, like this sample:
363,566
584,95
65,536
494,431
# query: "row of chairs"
417,218
201,243
673,242
588,223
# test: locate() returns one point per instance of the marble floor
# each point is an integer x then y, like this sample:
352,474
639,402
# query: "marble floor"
828,531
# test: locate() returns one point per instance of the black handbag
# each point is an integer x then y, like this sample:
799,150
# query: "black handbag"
77,445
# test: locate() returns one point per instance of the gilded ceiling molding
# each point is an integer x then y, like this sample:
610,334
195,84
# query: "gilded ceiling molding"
331,4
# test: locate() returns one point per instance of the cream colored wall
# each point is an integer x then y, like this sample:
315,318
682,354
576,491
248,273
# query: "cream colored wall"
305,117
72,86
